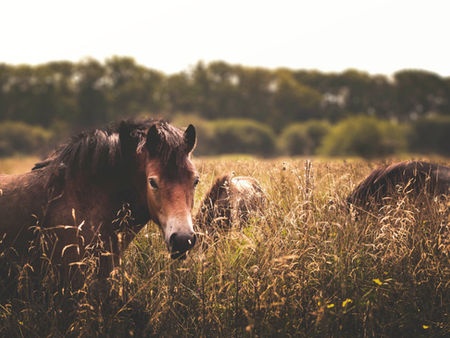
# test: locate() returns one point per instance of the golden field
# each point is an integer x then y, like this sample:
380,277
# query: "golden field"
306,266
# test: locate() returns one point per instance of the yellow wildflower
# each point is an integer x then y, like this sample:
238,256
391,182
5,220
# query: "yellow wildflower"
377,281
345,302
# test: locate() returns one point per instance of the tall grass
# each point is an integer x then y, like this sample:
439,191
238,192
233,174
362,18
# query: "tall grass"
307,266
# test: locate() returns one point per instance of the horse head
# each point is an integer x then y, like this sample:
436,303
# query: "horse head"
171,179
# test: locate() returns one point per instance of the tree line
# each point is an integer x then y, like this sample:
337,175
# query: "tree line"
65,95
90,92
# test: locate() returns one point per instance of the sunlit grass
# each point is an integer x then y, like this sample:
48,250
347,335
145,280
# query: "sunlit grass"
17,164
306,266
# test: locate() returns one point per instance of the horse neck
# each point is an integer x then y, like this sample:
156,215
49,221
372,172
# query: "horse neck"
103,195
21,196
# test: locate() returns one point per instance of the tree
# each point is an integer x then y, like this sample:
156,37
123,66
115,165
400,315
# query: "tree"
181,94
132,88
294,101
419,93
91,98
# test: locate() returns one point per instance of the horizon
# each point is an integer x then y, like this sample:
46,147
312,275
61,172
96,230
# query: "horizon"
102,61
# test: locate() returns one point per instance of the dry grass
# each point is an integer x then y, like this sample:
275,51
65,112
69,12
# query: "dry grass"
305,267
17,165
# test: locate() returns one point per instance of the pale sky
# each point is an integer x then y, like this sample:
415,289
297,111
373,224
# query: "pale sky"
377,36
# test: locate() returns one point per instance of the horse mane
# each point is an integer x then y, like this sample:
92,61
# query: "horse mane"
96,151
417,176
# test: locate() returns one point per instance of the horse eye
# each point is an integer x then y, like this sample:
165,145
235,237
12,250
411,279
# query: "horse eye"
196,181
153,183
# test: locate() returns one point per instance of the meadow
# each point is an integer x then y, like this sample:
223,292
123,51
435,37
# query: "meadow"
307,265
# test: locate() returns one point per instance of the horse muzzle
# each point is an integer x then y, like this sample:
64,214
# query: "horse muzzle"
180,243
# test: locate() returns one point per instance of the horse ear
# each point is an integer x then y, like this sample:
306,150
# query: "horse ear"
190,138
153,140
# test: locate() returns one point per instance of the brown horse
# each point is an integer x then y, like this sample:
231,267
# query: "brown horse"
229,200
100,189
414,177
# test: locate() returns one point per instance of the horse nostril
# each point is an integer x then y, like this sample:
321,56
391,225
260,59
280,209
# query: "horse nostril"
181,242
172,239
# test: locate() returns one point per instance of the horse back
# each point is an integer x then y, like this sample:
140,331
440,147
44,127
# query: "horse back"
416,177
22,203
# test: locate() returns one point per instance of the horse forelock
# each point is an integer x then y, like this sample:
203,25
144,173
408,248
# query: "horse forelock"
170,151
170,148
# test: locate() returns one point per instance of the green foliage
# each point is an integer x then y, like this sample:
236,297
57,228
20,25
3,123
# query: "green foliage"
364,136
19,137
131,87
294,101
419,93
242,136
431,135
304,138
90,93
229,136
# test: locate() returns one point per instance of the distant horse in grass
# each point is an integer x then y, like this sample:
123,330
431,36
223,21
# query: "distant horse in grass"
100,189
415,178
230,200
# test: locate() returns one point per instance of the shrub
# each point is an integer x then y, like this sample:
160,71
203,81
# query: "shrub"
364,136
303,138
242,136
431,135
19,137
